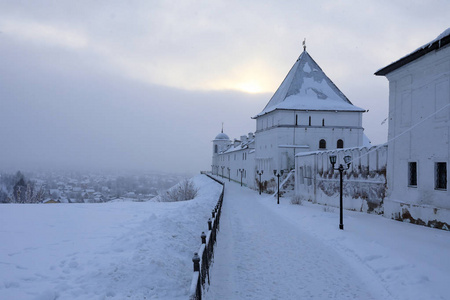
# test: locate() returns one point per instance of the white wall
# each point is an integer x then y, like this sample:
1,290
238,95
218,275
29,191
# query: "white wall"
416,91
364,183
278,133
243,159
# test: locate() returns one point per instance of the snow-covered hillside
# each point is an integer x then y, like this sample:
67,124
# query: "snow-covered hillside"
123,250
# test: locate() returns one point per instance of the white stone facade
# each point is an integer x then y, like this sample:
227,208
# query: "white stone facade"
419,129
288,133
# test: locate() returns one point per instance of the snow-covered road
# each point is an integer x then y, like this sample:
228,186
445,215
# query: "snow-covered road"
269,251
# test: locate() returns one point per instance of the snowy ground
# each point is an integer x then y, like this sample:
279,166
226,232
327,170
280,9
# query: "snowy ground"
270,251
124,250
132,250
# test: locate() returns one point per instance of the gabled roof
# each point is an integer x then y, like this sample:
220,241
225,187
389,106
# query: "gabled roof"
442,40
306,87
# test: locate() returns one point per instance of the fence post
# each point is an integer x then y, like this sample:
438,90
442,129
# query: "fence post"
209,224
203,236
196,260
213,213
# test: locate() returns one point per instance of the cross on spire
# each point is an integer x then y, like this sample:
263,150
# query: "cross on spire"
222,127
304,44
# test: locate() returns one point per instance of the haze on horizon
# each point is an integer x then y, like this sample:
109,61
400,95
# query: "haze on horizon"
146,85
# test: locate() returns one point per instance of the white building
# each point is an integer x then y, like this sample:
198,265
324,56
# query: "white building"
234,160
306,113
419,129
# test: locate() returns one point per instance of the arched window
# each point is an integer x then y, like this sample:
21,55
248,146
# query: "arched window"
309,120
322,144
340,144
296,120
323,122
216,149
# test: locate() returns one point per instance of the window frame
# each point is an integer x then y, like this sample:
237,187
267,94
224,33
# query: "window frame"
323,143
438,176
412,177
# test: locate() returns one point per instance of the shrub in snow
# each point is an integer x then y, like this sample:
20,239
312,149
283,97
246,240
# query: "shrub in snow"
183,191
296,200
328,209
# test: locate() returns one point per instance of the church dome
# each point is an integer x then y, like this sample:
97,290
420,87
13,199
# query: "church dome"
222,136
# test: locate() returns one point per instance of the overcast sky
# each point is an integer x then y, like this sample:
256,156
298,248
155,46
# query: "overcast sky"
145,85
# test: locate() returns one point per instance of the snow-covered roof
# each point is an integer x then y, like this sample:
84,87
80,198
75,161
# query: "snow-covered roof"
368,148
239,146
294,146
306,87
440,41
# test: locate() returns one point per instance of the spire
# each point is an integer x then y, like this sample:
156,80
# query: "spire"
304,44
222,127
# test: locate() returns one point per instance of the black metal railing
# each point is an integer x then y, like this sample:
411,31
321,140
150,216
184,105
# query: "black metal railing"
203,258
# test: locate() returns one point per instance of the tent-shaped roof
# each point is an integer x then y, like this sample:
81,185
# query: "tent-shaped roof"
306,87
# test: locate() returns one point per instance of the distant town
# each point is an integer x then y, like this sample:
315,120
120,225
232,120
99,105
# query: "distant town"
77,187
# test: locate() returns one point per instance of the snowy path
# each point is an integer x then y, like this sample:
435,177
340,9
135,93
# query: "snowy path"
269,251
260,255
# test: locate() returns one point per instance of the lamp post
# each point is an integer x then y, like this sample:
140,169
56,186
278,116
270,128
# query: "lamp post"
242,171
223,167
228,174
347,160
259,173
278,174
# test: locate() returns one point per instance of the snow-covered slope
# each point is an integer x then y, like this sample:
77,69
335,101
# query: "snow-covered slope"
124,250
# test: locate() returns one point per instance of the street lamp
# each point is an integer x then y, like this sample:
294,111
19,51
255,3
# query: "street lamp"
347,160
228,174
278,174
223,167
242,171
259,173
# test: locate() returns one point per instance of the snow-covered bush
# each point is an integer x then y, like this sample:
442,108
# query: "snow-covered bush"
328,209
183,191
296,199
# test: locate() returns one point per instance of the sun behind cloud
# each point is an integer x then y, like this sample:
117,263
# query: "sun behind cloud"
251,87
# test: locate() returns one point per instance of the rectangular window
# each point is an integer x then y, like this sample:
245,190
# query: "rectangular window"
412,172
441,175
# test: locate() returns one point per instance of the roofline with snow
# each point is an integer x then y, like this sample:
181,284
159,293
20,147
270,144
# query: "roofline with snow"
309,109
413,56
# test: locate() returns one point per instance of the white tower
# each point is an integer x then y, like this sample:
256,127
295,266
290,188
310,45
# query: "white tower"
307,113
220,143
